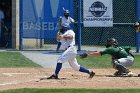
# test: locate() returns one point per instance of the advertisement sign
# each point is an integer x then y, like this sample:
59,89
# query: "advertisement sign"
97,13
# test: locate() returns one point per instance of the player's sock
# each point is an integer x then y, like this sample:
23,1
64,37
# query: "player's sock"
58,45
58,67
82,69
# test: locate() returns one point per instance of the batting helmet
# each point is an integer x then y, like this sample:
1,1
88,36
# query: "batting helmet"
66,12
111,42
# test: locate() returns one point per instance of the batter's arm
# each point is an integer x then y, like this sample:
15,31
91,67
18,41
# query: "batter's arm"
68,36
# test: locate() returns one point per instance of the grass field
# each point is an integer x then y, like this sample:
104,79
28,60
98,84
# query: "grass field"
103,62
73,91
15,59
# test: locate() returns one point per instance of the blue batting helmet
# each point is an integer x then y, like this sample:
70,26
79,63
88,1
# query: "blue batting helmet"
66,11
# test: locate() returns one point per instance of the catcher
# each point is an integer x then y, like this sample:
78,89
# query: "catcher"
121,57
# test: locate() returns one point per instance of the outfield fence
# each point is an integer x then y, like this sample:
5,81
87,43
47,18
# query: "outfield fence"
39,24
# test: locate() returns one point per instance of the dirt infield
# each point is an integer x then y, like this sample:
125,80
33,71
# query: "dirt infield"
15,78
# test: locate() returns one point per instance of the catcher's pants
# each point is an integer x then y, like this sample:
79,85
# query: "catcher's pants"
69,55
126,62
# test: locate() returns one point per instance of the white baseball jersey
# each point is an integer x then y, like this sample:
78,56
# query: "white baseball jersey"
66,22
68,42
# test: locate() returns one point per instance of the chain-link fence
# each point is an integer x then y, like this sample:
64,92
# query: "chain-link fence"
123,29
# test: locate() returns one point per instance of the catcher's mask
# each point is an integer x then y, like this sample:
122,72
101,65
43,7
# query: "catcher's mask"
111,42
66,13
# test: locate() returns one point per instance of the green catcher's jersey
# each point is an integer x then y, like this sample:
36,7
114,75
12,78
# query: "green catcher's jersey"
115,52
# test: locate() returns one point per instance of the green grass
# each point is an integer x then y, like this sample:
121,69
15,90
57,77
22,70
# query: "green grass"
73,91
103,62
15,59
137,62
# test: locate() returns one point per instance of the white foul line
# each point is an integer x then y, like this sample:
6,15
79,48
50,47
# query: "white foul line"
11,74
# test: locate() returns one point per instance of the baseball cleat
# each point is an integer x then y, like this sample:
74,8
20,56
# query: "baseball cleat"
53,77
91,74
117,73
130,74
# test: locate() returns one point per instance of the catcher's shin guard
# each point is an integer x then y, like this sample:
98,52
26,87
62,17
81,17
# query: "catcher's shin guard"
120,67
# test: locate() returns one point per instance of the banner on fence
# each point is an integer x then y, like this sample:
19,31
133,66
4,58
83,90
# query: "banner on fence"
97,13
40,19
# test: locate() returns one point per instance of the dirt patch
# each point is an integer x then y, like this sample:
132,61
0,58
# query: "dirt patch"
15,78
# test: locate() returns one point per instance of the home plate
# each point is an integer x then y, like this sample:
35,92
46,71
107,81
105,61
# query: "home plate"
11,74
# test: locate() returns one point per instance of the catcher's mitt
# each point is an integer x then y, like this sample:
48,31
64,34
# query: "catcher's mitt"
84,55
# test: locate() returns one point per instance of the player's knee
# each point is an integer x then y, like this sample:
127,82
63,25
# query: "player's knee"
59,61
116,62
76,67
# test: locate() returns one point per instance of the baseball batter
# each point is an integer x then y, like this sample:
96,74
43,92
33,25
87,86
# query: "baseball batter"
121,57
68,44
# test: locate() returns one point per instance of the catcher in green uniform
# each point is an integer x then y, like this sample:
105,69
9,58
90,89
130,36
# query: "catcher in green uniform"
121,57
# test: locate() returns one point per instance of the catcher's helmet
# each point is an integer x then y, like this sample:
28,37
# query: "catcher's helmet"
111,42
